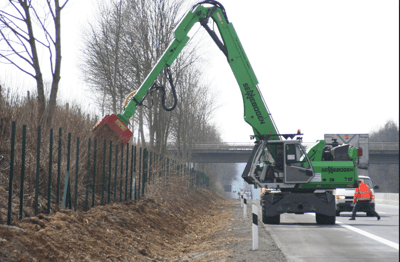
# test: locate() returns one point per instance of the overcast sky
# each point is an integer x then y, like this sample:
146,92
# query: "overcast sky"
322,66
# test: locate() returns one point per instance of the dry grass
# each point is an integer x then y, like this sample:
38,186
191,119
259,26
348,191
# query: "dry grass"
171,222
72,121
184,228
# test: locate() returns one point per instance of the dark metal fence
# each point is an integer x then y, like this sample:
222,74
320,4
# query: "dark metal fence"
104,173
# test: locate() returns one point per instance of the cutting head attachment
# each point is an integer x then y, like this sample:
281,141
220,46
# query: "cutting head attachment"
111,127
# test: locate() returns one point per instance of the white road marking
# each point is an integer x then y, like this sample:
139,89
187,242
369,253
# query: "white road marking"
364,233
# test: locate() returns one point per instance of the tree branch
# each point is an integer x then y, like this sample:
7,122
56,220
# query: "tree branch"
51,9
45,31
16,65
63,5
2,13
15,51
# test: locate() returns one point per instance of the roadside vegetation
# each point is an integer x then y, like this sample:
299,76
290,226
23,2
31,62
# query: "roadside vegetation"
120,47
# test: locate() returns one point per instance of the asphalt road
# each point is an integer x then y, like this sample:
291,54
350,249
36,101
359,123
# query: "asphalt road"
365,239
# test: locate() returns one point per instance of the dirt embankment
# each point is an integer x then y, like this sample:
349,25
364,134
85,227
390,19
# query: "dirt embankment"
187,225
176,229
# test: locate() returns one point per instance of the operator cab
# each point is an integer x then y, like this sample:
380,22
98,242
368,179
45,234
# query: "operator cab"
278,164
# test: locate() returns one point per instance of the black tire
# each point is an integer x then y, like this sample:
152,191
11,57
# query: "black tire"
274,220
269,220
264,219
337,213
324,219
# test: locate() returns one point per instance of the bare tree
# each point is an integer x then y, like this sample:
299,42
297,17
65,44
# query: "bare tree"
192,119
25,28
103,55
121,49
388,133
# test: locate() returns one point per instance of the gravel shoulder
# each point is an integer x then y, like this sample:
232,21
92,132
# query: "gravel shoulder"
240,229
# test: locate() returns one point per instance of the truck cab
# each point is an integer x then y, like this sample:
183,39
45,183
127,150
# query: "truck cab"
344,197
299,179
279,164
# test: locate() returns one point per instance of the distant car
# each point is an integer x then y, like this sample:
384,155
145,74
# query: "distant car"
344,197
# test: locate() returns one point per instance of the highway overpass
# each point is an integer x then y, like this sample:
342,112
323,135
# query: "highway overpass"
379,153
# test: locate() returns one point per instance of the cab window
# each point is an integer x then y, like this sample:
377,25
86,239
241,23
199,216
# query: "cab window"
366,181
296,156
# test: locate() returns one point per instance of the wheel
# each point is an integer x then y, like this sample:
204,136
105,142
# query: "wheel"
274,220
269,220
337,213
264,217
324,219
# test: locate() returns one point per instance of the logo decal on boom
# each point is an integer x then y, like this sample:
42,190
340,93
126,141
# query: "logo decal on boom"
250,95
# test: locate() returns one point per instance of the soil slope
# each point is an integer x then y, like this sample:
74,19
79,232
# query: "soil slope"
197,225
158,229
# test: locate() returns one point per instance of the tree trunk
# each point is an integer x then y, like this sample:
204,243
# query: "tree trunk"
48,116
35,61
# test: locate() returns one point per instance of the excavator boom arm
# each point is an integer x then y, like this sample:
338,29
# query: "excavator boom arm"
256,113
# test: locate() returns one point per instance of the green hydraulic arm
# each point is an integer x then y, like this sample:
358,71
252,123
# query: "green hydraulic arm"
256,113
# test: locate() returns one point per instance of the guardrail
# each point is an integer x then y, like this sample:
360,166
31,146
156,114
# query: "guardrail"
392,146
224,146
387,198
388,146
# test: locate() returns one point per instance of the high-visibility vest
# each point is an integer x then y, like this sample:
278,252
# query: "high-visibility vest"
362,193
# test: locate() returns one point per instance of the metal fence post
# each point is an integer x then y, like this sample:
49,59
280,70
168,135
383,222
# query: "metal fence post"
122,169
104,172
116,172
21,195
87,177
109,174
76,174
50,169
150,165
131,180
10,185
94,171
134,176
167,178
144,178
67,185
59,166
126,171
139,172
69,200
161,167
37,170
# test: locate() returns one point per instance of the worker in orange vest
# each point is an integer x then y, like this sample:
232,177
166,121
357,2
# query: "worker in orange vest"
362,198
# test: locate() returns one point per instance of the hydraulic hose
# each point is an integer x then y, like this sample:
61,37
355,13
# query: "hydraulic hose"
169,77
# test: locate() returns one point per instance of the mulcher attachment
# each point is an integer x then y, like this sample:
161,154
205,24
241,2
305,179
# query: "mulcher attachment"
111,127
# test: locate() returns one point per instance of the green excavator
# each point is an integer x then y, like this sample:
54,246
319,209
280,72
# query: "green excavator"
293,178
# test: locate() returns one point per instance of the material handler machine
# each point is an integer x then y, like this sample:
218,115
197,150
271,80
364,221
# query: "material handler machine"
292,178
